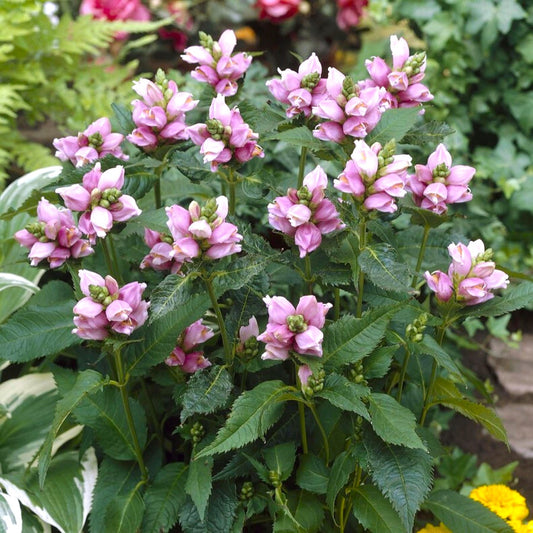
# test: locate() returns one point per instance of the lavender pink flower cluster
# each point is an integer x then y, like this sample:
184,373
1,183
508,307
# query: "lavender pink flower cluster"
471,277
160,115
185,355
108,308
196,232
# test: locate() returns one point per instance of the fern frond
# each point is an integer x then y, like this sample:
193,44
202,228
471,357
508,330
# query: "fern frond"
11,101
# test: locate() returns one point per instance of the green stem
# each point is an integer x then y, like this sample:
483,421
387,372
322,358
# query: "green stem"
129,416
433,377
157,192
220,319
301,412
403,372
361,275
308,274
337,304
421,253
231,183
151,411
111,265
301,167
115,259
322,432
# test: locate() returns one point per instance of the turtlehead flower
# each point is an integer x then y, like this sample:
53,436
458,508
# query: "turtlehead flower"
402,81
54,237
293,329
306,214
348,110
349,12
194,232
101,200
438,184
277,10
225,136
160,115
217,65
247,347
95,142
375,176
184,354
108,308
301,90
472,276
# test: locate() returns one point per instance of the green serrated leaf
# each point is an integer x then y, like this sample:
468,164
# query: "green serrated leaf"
432,133
462,515
377,364
393,124
312,474
374,512
342,469
87,382
306,510
164,499
403,475
393,422
124,118
424,217
300,136
381,263
345,395
430,346
281,459
350,339
124,513
199,482
446,393
206,392
252,414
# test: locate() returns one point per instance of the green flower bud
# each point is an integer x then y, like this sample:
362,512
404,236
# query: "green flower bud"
247,491
95,140
274,479
441,171
296,323
348,88
197,432
310,81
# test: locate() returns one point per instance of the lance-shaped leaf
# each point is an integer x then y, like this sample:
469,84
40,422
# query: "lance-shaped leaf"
10,514
164,498
446,393
381,263
65,500
125,513
299,136
252,414
344,394
393,124
432,133
312,474
374,511
402,474
87,382
199,483
393,422
281,459
431,347
350,339
206,392
43,327
341,471
460,514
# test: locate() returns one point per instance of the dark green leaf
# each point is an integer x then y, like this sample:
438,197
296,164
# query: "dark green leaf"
381,263
281,459
377,364
343,467
206,392
125,513
431,347
393,422
252,414
462,515
402,474
300,136
312,474
344,394
393,124
124,118
198,484
374,511
432,133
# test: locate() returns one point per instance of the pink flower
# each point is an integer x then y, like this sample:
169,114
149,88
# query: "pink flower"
224,136
472,276
291,329
402,81
217,65
299,90
349,13
101,200
54,237
183,355
306,214
95,142
108,308
115,10
438,184
277,10
160,115
375,176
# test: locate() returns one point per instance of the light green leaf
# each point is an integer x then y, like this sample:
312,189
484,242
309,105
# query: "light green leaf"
374,511
8,281
87,382
344,394
460,514
206,392
432,133
350,339
65,500
164,499
446,393
125,513
199,482
10,514
341,471
393,422
381,263
252,414
402,474
312,474
281,459
299,136
393,124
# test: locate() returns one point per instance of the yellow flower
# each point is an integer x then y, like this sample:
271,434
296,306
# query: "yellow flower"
505,502
519,527
441,528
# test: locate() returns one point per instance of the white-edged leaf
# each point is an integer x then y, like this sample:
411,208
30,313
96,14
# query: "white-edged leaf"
10,514
8,281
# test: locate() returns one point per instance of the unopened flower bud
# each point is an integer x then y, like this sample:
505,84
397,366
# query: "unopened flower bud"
247,491
274,479
310,81
95,140
296,323
197,432
348,88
